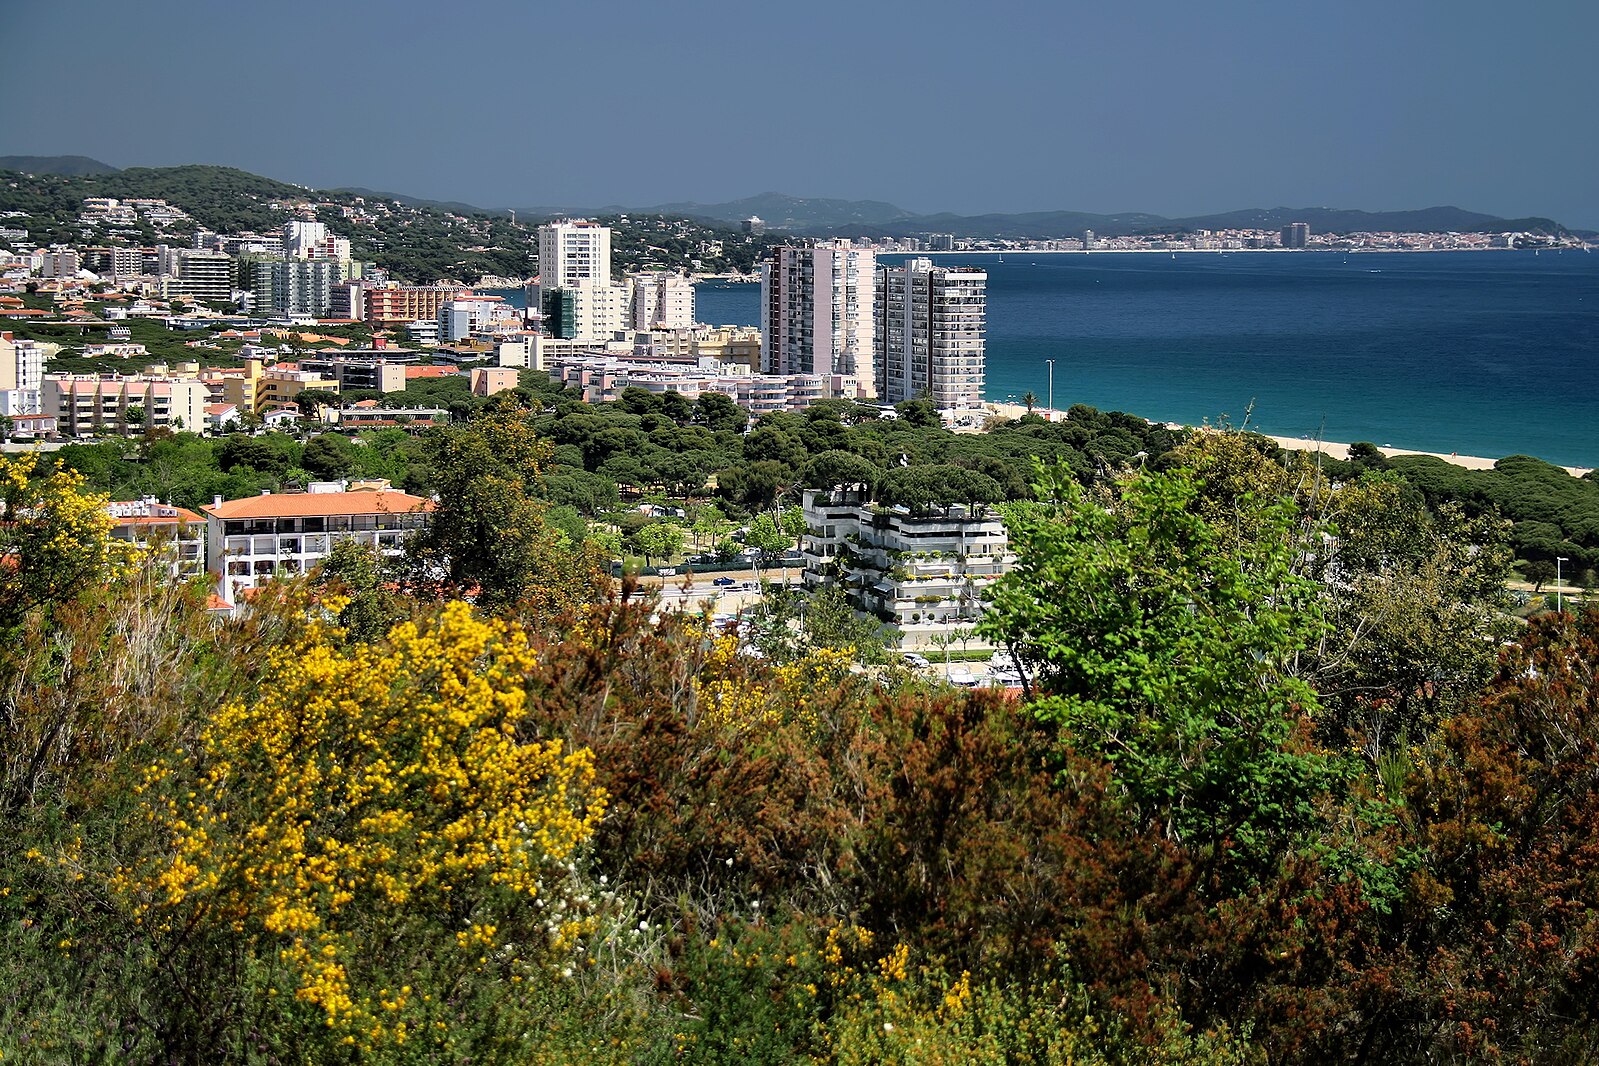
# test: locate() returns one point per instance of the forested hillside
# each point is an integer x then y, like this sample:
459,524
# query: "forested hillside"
1284,783
416,241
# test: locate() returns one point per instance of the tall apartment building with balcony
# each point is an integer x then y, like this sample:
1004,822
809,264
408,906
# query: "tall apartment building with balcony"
195,274
575,291
929,337
395,305
250,541
816,312
21,376
922,572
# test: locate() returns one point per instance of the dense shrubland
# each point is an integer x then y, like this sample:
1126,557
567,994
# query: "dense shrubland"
1286,785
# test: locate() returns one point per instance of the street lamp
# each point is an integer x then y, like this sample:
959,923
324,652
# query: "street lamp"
1558,560
1051,363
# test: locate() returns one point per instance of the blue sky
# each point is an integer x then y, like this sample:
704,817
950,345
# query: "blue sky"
1136,105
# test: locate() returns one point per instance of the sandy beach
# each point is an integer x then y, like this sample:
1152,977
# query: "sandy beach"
1300,444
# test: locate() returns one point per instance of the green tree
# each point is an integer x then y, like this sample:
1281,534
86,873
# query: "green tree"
328,456
768,536
488,535
1160,646
311,401
660,540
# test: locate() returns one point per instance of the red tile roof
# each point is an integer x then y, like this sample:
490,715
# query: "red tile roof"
319,505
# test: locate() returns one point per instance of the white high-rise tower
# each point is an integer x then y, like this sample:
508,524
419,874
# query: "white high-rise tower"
929,337
575,289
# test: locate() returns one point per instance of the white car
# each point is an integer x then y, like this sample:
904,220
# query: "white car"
912,659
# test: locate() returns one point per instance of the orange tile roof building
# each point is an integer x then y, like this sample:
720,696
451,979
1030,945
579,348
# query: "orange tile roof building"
249,541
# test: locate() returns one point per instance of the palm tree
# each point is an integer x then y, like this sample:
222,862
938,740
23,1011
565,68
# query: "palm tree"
1031,401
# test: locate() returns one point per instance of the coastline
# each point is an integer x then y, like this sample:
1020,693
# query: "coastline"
1333,449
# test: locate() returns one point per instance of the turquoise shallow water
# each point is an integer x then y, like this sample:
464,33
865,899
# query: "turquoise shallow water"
1487,353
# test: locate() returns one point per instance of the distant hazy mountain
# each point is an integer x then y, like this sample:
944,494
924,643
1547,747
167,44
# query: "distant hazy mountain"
67,166
1043,225
781,211
812,216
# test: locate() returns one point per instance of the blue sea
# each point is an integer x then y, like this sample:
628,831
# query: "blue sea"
1481,353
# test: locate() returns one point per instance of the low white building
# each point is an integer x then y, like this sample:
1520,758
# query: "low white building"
251,540
602,378
925,574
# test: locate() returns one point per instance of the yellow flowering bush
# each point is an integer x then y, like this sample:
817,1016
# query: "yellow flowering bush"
731,695
371,814
54,536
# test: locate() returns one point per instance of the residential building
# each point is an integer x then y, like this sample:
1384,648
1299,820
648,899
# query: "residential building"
354,373
395,305
219,416
176,531
924,573
602,378
119,350
660,301
347,299
194,274
279,387
462,317
538,352
488,380
297,286
369,415
59,263
1296,235
21,363
929,334
816,312
249,541
574,253
575,292
91,405
302,236
728,344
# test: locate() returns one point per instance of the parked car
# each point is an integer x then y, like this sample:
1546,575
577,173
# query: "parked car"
919,662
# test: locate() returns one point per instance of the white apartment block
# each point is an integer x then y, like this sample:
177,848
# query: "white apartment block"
90,405
925,574
601,378
302,237
816,312
250,541
929,335
660,301
21,363
462,317
574,253
177,531
575,293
